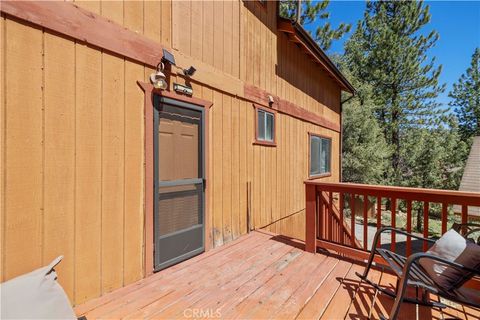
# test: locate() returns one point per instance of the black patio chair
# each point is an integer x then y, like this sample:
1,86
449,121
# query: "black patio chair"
410,273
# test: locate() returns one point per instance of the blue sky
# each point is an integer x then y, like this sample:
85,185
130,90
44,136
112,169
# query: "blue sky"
457,22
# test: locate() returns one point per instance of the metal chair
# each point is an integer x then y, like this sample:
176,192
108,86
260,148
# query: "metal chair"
410,273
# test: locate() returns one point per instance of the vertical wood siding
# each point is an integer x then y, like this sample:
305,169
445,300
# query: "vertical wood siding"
72,161
72,127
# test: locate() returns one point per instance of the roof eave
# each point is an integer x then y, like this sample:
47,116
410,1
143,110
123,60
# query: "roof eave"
295,30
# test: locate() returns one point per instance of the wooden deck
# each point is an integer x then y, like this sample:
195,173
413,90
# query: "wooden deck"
259,276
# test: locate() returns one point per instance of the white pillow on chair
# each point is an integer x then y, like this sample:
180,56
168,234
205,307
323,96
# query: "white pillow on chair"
453,247
35,295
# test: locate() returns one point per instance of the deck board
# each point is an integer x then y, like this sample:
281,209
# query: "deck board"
259,276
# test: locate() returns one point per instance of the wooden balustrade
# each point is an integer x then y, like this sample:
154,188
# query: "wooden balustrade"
329,204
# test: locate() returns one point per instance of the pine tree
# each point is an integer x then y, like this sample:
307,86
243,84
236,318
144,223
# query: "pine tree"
466,98
433,157
388,52
324,35
364,150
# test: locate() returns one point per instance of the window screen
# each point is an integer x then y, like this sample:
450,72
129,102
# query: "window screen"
266,126
320,155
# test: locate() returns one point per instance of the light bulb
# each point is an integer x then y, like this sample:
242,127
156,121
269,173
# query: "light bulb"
160,84
158,80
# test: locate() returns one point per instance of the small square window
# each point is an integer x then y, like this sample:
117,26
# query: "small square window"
320,156
265,126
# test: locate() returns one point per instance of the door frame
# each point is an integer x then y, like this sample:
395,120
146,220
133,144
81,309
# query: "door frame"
149,92
158,102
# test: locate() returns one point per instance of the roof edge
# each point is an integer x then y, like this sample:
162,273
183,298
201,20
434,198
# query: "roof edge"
307,40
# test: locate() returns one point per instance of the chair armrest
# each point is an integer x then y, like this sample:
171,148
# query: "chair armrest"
468,224
467,229
424,255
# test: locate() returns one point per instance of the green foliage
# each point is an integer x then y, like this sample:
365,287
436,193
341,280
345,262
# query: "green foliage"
433,157
324,35
388,52
466,98
420,144
364,150
394,131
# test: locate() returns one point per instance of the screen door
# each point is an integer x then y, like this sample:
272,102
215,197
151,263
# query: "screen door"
179,181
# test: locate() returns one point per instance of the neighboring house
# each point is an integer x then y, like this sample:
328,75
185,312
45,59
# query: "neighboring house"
124,179
471,178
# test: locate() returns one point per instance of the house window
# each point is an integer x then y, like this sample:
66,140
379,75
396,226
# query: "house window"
265,126
320,156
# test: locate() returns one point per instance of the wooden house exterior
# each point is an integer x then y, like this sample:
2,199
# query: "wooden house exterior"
77,129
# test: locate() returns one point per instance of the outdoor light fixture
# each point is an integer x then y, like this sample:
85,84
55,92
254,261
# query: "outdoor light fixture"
189,72
270,99
158,78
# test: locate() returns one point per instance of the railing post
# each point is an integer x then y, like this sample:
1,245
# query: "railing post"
409,227
394,223
365,221
330,216
444,217
341,225
379,218
352,221
311,218
426,211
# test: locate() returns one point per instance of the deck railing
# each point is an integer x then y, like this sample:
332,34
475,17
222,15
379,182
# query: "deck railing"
334,221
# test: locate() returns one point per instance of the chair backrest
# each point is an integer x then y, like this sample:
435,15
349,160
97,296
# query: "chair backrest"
459,255
470,231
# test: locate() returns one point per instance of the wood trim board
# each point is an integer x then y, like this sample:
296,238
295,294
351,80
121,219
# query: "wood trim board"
148,188
75,22
70,20
297,34
404,193
260,96
78,23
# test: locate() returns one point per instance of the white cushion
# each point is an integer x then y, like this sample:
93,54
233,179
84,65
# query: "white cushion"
35,295
452,247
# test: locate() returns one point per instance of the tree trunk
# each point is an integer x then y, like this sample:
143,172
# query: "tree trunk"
419,220
395,138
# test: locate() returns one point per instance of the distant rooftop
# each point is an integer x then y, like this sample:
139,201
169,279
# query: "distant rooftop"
471,176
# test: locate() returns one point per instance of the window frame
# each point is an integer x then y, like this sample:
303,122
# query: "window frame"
267,143
320,175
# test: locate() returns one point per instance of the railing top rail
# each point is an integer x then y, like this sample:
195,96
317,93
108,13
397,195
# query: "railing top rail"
418,194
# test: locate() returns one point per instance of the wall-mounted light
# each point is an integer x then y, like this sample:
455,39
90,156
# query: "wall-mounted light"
270,100
189,72
158,78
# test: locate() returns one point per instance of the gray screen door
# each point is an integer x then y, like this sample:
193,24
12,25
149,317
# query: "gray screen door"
179,181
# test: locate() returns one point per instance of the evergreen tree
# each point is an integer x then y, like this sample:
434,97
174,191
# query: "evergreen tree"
364,150
433,158
324,35
466,98
388,52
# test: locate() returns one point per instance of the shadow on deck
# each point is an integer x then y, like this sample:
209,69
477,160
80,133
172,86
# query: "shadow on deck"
259,276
